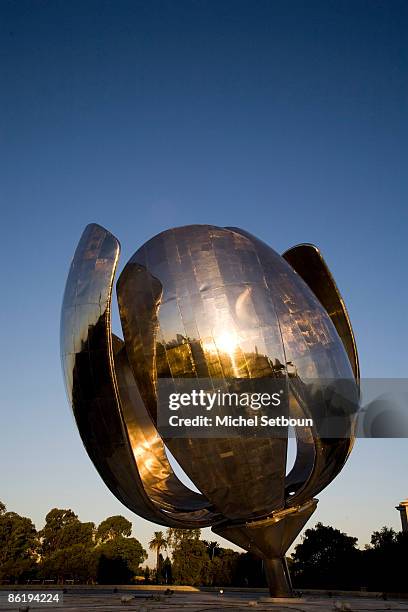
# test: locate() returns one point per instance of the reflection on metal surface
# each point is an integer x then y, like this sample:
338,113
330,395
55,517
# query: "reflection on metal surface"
203,302
308,262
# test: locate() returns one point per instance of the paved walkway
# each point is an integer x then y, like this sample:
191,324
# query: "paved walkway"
204,602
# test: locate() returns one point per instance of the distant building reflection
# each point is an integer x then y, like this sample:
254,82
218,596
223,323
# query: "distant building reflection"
184,357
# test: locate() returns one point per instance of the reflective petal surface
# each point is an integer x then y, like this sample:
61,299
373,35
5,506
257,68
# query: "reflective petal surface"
122,444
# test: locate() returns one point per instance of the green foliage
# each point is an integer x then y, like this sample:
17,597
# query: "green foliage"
176,536
63,530
249,571
71,553
384,538
55,522
18,541
223,567
157,543
190,559
76,533
77,562
113,570
213,549
326,558
385,561
128,549
66,549
113,527
166,572
146,574
191,565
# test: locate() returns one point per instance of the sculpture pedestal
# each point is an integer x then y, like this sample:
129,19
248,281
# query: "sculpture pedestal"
277,575
270,538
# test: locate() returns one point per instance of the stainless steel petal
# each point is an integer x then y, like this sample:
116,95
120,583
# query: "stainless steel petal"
313,351
88,366
193,303
308,262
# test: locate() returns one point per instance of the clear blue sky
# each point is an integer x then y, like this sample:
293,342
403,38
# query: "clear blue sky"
286,118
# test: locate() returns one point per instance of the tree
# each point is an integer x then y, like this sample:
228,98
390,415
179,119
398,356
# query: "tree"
249,571
157,543
211,546
400,562
113,527
18,542
213,549
384,561
176,536
191,564
166,571
76,562
146,574
55,521
2,508
327,558
113,570
223,568
62,530
384,538
76,533
129,550
67,547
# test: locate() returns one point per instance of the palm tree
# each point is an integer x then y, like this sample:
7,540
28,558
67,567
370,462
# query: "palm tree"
213,549
157,543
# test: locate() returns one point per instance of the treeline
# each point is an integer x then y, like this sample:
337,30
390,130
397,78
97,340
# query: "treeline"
197,562
329,559
68,550
326,559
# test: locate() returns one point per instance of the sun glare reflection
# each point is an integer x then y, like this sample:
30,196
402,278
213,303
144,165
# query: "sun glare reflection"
227,342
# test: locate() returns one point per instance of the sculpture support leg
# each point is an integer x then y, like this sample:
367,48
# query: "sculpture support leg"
270,538
278,577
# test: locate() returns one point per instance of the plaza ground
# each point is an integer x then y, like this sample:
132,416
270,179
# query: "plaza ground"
105,599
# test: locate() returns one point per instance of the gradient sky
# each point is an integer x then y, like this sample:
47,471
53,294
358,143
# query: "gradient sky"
285,118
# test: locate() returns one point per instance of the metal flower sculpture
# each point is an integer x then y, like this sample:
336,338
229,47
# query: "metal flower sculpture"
207,302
